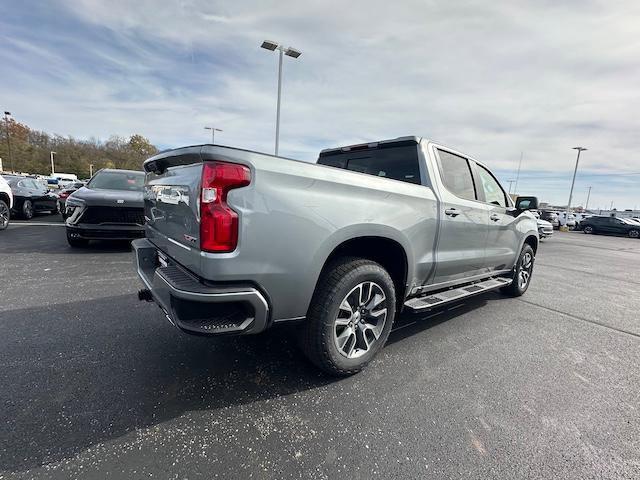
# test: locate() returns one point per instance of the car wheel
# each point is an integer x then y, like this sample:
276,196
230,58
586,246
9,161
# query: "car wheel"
588,229
634,233
27,210
350,316
77,242
5,215
522,274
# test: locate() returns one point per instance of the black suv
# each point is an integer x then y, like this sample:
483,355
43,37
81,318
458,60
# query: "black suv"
611,226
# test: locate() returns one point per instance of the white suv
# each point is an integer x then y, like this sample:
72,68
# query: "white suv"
6,203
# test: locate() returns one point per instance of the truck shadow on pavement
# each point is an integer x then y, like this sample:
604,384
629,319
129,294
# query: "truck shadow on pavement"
78,374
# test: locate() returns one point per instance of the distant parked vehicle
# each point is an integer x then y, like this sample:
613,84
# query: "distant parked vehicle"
611,226
6,203
109,207
545,229
65,179
30,196
550,217
64,194
566,220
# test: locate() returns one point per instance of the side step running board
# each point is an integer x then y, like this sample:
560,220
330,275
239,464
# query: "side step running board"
426,302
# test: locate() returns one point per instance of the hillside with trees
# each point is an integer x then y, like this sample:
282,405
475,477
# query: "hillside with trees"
31,151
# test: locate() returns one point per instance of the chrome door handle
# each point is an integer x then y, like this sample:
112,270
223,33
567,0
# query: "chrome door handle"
452,212
495,217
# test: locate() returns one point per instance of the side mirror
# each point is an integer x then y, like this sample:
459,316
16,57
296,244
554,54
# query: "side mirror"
526,203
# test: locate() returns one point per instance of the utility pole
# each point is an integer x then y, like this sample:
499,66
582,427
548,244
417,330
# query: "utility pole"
575,171
6,119
515,190
510,184
53,170
90,170
586,206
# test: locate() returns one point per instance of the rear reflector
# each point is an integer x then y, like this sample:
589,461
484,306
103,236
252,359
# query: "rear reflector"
218,222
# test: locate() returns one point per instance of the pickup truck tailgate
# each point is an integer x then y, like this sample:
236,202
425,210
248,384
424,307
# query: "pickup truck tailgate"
171,205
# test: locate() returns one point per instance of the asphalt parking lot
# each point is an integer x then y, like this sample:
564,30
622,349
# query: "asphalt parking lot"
96,384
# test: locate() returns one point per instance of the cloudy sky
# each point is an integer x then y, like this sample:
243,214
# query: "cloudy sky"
490,78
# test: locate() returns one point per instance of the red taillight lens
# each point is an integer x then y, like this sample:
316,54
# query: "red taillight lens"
218,222
63,194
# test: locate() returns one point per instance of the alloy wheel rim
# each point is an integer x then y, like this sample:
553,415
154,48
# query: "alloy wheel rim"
28,209
524,272
4,215
361,319
634,234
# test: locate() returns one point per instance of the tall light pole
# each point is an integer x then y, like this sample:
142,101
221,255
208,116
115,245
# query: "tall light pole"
213,133
6,119
290,52
579,149
53,170
515,190
90,170
586,207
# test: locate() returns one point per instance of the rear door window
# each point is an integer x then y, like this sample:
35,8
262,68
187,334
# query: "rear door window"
456,175
397,163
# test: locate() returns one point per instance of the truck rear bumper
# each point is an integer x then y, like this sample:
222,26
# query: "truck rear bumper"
194,307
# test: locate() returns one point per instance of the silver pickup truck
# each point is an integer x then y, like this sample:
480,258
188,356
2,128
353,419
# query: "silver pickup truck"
238,241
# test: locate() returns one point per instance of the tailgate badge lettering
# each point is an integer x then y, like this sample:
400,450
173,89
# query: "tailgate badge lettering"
189,238
119,201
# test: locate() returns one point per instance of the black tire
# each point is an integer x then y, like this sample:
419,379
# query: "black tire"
77,242
5,215
27,210
338,284
588,229
634,233
517,288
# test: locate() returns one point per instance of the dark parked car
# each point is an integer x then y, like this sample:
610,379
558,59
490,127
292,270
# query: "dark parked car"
64,194
611,226
30,196
551,217
109,207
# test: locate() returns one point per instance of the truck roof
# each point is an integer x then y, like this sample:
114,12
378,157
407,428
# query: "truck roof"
394,142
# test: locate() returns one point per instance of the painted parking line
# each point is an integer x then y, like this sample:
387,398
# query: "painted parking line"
35,224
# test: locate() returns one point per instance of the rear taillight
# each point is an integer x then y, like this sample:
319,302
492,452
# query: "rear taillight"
218,222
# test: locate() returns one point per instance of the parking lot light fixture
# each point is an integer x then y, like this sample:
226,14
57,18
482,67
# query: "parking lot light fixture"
53,170
575,171
213,133
290,52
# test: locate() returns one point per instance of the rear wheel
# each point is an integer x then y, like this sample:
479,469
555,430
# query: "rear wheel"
5,215
634,233
76,242
27,210
588,229
522,274
350,316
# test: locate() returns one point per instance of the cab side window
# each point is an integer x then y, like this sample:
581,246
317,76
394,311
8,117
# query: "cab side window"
456,175
493,192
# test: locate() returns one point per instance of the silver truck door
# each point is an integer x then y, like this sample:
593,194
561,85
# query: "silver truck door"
463,219
503,240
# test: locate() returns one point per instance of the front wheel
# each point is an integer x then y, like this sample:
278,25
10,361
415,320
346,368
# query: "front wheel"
350,316
5,215
634,233
588,229
522,273
27,210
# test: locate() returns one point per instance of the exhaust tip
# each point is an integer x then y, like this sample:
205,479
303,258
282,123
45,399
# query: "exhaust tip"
144,295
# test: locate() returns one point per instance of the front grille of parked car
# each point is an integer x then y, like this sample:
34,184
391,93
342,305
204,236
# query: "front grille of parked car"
127,215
